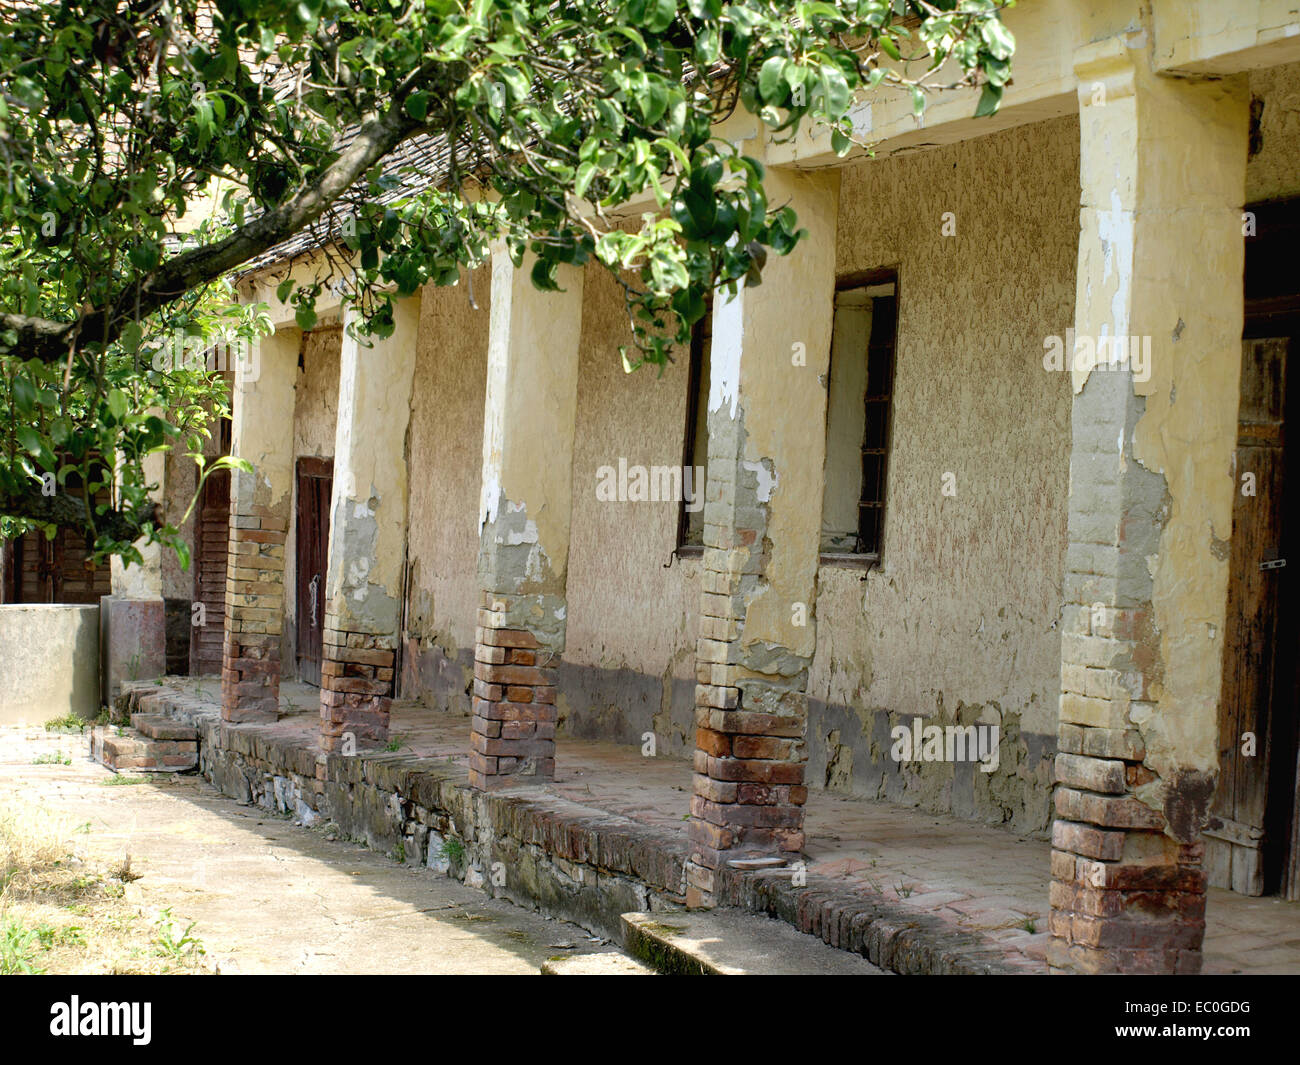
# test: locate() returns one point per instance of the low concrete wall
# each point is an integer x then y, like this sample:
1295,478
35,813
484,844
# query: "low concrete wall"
49,662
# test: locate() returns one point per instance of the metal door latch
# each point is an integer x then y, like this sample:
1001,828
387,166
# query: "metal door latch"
1274,563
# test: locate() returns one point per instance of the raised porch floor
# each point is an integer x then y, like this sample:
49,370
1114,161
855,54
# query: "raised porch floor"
913,891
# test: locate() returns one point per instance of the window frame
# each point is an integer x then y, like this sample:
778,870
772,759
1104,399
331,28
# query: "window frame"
695,374
869,560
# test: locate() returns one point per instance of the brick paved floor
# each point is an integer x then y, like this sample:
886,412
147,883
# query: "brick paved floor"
979,877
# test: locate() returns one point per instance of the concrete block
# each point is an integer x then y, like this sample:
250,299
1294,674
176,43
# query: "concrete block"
132,642
51,662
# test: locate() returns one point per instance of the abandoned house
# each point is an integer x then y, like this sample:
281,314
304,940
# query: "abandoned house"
988,471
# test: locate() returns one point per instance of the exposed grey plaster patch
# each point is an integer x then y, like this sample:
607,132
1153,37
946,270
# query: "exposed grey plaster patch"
542,615
766,476
512,555
1220,549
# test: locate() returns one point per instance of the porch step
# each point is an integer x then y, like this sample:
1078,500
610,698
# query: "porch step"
140,753
733,943
157,727
604,963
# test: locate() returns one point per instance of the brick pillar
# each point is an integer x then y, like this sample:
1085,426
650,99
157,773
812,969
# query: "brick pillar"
262,433
525,505
762,524
1151,488
363,584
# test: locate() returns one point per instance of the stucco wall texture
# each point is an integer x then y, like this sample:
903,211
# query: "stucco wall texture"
962,615
445,464
960,622
1274,172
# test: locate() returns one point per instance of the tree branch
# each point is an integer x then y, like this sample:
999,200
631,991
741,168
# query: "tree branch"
49,341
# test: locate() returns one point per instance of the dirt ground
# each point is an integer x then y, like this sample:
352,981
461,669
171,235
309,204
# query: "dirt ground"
167,875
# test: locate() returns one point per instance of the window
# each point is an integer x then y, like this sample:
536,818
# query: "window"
690,525
858,412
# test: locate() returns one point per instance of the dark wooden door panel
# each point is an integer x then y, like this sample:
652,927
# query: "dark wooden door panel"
1249,706
315,483
212,546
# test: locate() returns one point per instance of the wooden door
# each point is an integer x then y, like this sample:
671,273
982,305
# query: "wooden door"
315,483
1248,840
211,550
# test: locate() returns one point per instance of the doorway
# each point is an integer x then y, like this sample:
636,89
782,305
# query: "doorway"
1251,844
211,550
315,482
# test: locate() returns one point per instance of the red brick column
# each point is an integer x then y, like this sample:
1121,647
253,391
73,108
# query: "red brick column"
749,793
356,688
262,405
250,672
762,527
512,737
367,532
1146,577
1126,898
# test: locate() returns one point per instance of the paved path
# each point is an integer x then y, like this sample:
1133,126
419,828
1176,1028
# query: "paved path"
269,896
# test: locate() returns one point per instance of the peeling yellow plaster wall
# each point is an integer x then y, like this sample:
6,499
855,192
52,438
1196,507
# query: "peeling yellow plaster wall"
964,607
446,460
626,610
1162,254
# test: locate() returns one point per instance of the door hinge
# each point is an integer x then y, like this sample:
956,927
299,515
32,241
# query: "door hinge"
1273,563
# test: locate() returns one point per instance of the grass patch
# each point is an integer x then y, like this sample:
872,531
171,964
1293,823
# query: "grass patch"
62,911
120,780
69,722
52,758
19,946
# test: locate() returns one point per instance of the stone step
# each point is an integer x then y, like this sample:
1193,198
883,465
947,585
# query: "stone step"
133,752
733,943
604,963
157,727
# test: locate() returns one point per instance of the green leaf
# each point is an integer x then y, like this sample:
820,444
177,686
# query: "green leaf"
586,171
24,395
417,105
836,89
770,76
29,438
118,403
1001,42
660,14
654,101
543,275
990,98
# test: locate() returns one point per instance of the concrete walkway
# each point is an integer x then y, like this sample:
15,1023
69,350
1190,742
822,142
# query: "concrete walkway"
973,878
269,896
